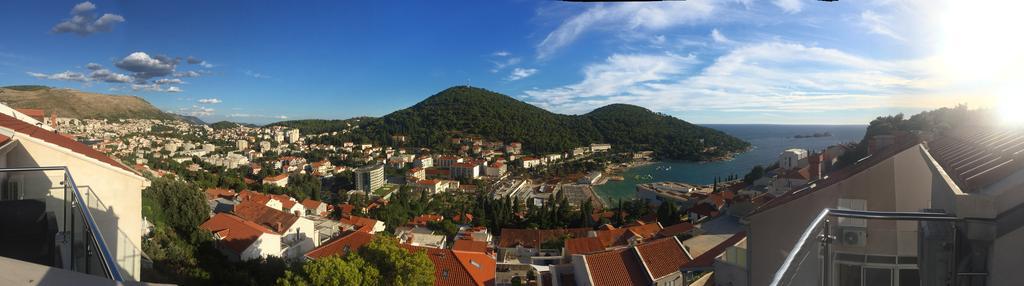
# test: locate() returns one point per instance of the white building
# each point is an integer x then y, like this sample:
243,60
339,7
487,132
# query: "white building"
114,191
370,178
792,158
242,144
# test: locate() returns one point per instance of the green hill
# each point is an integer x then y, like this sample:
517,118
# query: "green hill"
316,126
79,104
466,111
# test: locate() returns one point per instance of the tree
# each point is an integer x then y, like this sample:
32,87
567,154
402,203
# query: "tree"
667,213
396,265
333,270
180,205
756,173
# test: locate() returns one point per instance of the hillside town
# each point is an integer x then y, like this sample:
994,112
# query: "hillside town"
689,231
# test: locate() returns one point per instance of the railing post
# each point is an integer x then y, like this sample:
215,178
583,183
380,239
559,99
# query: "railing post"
826,239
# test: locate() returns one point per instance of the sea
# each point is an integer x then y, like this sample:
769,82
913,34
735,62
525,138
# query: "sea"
768,141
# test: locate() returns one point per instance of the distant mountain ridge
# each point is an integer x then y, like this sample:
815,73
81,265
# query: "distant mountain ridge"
80,104
464,110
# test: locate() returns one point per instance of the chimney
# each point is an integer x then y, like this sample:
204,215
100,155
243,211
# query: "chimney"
278,226
53,120
814,160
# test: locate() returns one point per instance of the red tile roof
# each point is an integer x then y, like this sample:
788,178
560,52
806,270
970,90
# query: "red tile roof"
51,137
583,245
359,223
214,193
276,178
676,229
426,218
251,196
286,201
533,238
975,159
276,220
480,267
453,267
236,233
468,245
616,267
311,204
342,245
663,256
621,236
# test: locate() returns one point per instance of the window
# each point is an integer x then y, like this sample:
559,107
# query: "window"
847,275
909,277
877,276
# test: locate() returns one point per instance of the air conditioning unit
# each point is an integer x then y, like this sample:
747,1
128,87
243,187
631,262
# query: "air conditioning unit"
853,236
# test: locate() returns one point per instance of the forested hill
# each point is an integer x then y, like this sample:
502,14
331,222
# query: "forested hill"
468,111
316,126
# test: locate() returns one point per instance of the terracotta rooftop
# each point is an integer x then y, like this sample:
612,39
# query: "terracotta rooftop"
276,220
468,245
342,245
251,196
426,218
975,159
583,245
676,229
6,121
359,223
456,268
533,238
311,204
214,193
236,233
621,236
663,256
616,267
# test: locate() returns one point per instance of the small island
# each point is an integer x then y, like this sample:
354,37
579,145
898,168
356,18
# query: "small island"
815,135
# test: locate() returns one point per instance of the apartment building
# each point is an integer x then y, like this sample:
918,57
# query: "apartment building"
370,178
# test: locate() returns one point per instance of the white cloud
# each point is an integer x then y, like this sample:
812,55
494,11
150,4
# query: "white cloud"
66,75
770,76
84,22
197,110
169,81
144,66
878,24
502,54
501,64
790,6
186,74
255,74
521,73
618,74
719,38
155,88
210,100
626,17
106,75
93,66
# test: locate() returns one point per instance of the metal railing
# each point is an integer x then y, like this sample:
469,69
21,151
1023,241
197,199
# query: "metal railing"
874,248
82,247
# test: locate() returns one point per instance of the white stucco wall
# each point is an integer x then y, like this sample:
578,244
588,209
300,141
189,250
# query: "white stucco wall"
115,200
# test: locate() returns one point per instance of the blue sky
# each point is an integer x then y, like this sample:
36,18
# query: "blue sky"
783,61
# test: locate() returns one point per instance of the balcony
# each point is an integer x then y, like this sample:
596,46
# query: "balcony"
55,226
854,248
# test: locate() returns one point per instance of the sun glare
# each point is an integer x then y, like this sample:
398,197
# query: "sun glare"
981,41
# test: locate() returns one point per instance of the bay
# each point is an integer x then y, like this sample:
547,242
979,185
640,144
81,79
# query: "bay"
768,142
